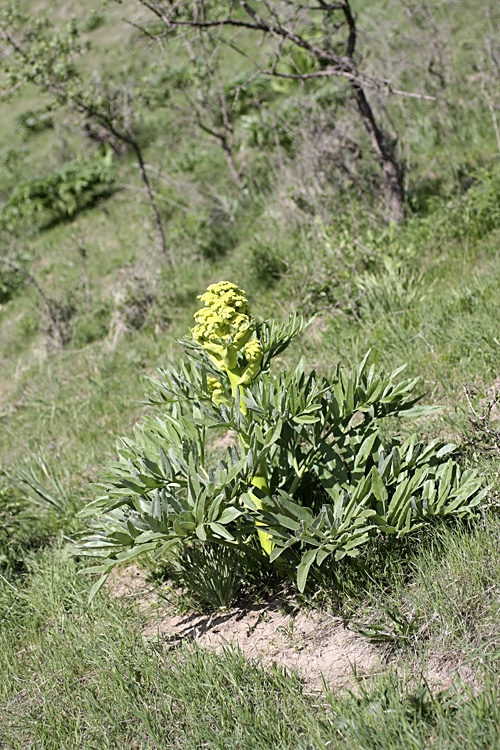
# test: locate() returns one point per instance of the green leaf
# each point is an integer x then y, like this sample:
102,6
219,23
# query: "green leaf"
229,514
303,569
99,584
135,551
201,533
221,531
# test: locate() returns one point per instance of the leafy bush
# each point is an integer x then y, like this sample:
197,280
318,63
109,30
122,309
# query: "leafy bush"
11,157
58,195
263,130
267,265
35,121
313,475
246,91
209,232
92,22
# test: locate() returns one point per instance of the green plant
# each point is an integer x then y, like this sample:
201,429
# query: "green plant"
480,212
10,282
43,485
400,631
312,477
11,158
57,195
34,121
16,529
90,325
266,263
93,21
263,130
212,575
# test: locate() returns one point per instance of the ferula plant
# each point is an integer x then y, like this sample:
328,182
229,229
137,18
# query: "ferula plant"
310,476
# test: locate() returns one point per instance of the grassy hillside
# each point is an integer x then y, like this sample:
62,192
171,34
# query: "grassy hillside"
305,231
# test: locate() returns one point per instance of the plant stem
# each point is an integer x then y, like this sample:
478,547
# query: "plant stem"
260,482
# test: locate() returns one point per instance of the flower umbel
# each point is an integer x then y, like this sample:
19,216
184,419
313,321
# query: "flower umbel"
225,327
253,353
224,324
216,391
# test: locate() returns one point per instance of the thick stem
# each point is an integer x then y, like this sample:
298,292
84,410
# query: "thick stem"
260,482
234,381
260,478
390,168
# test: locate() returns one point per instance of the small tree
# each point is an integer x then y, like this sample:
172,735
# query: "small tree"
208,103
291,31
39,55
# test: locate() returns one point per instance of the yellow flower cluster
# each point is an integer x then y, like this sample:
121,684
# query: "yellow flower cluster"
214,386
253,351
216,391
225,318
225,294
224,327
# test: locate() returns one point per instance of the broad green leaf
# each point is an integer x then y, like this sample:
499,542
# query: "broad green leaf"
303,569
220,530
228,515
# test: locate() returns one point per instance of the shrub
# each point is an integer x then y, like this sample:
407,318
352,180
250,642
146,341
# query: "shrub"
92,22
312,477
58,195
266,263
35,121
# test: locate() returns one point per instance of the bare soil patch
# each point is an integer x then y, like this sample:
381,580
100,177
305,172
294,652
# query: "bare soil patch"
316,644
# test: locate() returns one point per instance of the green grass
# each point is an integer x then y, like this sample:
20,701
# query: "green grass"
438,602
80,676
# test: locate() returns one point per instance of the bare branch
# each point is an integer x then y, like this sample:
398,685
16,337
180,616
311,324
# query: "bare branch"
493,115
329,63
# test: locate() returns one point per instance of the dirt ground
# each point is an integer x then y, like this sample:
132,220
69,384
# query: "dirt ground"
318,645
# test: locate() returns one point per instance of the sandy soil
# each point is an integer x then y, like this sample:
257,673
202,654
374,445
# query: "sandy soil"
318,645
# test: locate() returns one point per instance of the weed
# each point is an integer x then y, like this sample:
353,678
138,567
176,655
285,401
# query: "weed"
58,195
45,485
313,477
212,575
